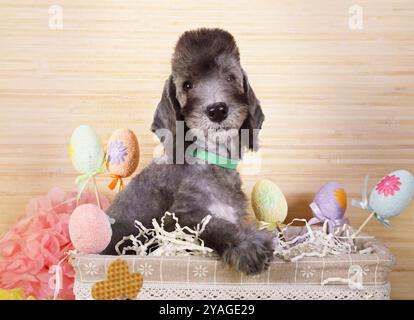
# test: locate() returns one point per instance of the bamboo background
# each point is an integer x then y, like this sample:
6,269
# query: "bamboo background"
338,102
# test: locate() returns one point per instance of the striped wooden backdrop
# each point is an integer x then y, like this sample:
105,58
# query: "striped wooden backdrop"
339,102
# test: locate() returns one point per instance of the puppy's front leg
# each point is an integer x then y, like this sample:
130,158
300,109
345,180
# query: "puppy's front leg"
248,249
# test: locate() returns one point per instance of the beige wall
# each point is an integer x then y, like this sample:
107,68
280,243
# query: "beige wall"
339,103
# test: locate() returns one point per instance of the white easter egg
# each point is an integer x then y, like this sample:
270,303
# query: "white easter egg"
86,152
392,194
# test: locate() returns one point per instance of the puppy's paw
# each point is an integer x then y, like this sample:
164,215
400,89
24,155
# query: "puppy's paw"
252,254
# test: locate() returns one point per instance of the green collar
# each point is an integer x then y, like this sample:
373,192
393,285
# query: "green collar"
213,158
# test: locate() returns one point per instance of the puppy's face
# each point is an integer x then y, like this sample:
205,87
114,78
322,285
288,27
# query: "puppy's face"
213,99
208,89
209,81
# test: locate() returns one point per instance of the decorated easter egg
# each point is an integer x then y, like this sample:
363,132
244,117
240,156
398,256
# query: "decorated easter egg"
268,202
331,200
392,194
86,152
122,153
329,205
89,229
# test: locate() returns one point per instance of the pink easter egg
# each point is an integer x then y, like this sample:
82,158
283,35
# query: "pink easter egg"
89,229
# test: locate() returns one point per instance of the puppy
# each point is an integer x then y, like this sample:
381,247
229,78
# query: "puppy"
207,93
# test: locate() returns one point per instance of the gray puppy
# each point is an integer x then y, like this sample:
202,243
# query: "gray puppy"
208,91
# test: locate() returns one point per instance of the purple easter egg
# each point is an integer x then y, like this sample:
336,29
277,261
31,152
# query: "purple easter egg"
331,201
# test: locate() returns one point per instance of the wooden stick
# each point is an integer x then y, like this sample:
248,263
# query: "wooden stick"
363,224
96,193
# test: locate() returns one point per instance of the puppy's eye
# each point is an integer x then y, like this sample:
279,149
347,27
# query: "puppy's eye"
230,78
187,86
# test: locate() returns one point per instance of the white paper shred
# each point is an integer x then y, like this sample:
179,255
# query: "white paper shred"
312,242
290,244
157,241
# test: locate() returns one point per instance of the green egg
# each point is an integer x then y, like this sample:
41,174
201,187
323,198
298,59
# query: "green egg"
268,202
86,150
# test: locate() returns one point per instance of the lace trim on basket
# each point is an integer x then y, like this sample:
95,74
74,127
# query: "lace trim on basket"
151,291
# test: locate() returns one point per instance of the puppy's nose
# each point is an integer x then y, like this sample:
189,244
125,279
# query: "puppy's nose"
217,112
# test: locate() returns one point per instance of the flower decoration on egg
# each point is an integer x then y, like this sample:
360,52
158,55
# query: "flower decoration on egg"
388,185
116,152
122,156
389,198
267,199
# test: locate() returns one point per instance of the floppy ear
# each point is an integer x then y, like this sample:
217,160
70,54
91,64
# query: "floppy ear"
168,109
255,117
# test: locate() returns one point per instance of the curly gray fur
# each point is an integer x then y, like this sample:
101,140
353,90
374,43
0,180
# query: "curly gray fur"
192,191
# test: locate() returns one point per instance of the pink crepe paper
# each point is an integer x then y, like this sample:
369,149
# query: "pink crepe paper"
38,241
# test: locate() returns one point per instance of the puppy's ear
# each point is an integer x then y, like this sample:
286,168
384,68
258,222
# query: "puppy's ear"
168,109
255,117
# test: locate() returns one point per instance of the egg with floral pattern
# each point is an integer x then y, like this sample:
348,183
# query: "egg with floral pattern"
268,202
122,153
392,194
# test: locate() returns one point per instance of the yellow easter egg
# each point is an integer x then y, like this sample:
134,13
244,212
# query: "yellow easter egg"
85,149
122,153
268,202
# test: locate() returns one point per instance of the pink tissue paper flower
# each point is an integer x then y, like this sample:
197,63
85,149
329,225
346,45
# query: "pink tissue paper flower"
389,185
38,241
